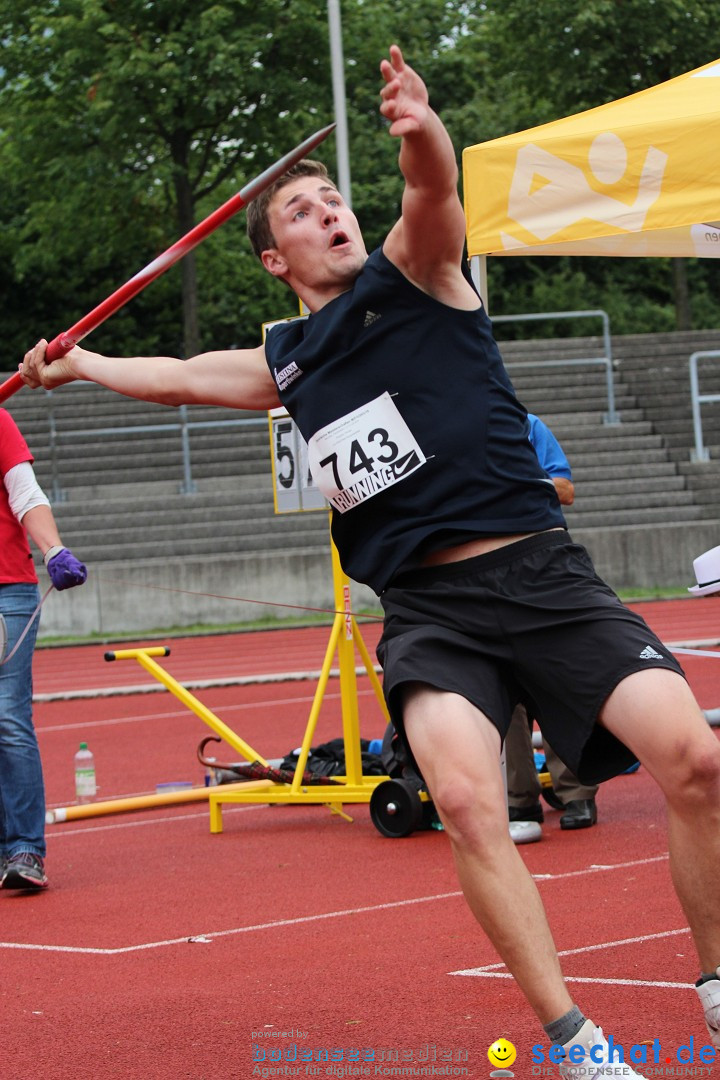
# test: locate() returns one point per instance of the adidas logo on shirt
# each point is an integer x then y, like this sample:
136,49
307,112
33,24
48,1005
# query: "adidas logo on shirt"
370,318
649,653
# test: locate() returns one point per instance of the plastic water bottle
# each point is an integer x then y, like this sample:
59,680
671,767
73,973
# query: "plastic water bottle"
211,776
85,786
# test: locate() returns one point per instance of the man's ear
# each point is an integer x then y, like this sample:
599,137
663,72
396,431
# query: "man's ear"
273,262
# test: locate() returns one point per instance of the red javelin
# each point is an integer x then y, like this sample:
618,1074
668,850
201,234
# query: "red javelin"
64,342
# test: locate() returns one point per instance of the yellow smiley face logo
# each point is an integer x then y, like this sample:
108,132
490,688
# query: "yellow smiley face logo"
502,1053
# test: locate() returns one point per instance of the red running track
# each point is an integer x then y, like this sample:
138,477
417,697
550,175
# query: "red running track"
162,951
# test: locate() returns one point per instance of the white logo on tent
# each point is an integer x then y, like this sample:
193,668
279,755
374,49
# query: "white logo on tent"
549,194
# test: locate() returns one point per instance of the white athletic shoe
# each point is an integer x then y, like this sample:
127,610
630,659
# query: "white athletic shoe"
591,1038
709,994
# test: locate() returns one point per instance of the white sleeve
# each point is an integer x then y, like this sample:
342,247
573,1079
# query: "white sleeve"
23,490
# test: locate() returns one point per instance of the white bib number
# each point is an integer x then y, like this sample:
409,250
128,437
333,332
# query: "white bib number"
363,453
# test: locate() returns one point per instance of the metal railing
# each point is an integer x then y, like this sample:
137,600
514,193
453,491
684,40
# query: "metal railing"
612,416
185,426
700,453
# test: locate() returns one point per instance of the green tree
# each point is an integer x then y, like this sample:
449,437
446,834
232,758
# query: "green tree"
124,122
123,119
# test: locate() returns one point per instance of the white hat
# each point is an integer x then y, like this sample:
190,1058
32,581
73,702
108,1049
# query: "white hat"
707,572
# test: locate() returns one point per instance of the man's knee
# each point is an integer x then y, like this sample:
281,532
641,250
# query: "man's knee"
696,773
470,812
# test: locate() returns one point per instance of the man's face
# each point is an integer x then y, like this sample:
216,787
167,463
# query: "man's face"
318,243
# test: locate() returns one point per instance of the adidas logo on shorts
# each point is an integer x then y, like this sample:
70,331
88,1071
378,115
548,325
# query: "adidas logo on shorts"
649,653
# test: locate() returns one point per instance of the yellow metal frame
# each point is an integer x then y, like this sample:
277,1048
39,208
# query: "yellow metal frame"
351,788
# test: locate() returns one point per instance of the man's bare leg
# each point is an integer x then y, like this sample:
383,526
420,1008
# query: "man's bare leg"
655,714
458,752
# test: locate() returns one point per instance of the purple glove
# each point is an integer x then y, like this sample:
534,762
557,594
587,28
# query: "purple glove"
65,570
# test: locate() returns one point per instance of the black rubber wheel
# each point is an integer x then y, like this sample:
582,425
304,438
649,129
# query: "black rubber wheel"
396,808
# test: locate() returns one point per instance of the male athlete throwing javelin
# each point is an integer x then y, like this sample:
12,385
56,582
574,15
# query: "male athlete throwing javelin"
439,503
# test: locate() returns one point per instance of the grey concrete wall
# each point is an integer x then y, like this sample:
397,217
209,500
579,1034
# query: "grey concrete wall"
650,556
136,598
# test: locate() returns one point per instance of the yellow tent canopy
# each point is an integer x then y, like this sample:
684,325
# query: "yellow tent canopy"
639,176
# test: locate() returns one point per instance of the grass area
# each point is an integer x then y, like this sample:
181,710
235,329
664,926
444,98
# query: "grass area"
292,622
632,595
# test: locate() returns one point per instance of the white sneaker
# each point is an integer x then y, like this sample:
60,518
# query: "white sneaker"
590,1038
709,994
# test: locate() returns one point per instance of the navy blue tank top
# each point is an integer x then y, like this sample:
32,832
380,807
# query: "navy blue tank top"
414,430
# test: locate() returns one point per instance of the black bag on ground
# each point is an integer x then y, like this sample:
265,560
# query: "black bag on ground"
328,759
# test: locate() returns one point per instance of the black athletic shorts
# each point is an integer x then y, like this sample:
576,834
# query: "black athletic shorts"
529,622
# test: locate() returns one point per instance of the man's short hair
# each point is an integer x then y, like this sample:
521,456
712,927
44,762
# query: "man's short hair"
258,224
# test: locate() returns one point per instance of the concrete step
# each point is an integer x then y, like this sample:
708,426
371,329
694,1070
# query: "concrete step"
235,521
626,500
586,423
655,470
167,528
171,472
590,399
628,456
612,441
183,547
658,486
656,515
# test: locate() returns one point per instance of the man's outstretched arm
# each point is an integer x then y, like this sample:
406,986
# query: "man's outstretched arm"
238,378
426,244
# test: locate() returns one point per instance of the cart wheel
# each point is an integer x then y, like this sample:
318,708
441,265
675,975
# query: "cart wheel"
396,808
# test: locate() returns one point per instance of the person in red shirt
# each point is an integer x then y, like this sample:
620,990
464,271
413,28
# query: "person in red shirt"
24,510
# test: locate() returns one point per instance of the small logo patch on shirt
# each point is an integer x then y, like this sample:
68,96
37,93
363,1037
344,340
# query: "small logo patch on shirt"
288,375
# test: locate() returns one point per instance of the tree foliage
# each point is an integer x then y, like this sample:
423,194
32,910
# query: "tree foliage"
124,122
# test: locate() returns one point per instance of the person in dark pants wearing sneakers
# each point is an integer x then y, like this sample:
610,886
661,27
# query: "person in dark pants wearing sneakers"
24,509
578,799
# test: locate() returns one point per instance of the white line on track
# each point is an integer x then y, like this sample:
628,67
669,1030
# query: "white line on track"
589,979
493,970
192,684
206,936
488,971
50,729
